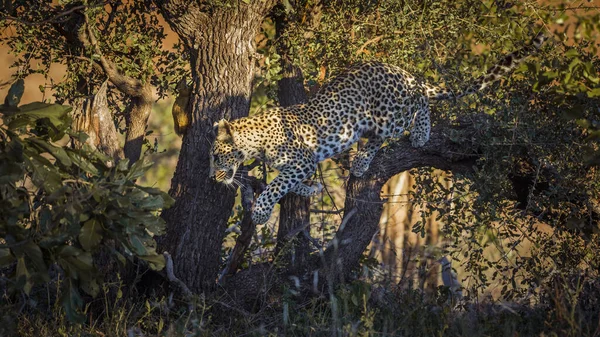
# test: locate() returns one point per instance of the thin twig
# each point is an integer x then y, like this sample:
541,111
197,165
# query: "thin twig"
54,18
326,211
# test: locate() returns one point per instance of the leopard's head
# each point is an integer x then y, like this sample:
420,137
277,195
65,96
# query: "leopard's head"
225,157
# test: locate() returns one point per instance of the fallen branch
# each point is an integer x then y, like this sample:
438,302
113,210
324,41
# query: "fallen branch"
247,226
173,279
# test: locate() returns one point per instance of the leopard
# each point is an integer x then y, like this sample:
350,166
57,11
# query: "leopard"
370,100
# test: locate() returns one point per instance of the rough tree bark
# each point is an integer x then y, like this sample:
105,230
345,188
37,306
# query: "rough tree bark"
92,116
221,48
294,210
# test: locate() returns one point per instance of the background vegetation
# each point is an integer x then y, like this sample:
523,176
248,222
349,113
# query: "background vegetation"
515,206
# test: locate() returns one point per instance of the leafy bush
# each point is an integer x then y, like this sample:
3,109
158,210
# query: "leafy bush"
59,205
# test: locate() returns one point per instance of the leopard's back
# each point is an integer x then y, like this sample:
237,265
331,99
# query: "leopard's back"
367,100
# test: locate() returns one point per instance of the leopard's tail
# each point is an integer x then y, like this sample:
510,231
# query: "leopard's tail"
505,66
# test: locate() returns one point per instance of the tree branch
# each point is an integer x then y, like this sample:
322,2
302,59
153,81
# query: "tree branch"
141,94
450,147
128,85
53,19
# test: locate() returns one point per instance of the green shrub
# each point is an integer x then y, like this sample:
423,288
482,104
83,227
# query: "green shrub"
60,204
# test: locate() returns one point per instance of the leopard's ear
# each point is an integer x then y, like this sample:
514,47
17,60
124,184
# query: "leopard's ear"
224,131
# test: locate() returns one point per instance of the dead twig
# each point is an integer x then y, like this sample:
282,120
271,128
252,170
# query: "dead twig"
173,279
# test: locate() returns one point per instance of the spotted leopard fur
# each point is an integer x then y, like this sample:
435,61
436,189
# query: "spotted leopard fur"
371,100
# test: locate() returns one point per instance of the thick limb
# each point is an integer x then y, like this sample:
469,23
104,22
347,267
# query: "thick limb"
364,157
288,180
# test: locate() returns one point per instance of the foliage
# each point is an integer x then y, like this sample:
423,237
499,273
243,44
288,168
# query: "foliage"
129,35
61,206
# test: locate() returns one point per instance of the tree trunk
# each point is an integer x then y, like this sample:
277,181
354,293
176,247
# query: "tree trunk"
294,212
221,49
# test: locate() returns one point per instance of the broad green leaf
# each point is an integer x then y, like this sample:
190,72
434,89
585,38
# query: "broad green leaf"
138,169
123,165
594,92
34,253
168,201
154,225
156,262
6,257
53,241
22,275
72,302
57,152
137,245
14,94
90,286
37,110
67,251
83,261
571,53
83,163
44,174
152,203
91,234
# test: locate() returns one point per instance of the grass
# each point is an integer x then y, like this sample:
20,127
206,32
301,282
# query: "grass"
568,307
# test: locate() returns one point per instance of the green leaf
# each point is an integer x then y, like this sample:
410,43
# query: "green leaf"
44,174
22,275
57,152
83,262
168,201
138,169
571,53
72,302
15,93
90,286
34,253
6,257
594,92
37,110
137,245
156,262
123,165
83,163
91,234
